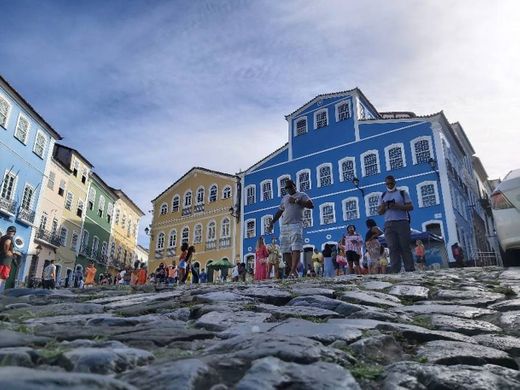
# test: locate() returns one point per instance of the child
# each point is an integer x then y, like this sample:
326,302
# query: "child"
182,263
383,258
420,255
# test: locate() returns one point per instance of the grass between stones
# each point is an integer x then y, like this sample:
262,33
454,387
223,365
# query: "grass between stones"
423,321
363,371
506,290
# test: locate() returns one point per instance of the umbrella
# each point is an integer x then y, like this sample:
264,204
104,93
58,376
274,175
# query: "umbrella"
220,264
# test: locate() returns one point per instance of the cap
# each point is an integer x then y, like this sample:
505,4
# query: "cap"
11,229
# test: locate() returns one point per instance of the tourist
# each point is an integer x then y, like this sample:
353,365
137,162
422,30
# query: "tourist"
49,276
352,243
182,262
235,273
103,280
396,205
242,272
68,278
78,277
8,256
188,259
203,277
341,259
384,254
458,255
262,258
274,259
373,246
90,275
334,255
317,262
160,274
420,255
172,274
291,233
142,275
328,266
121,277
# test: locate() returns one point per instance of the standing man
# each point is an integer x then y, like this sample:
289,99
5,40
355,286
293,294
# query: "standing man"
395,205
291,233
49,276
7,255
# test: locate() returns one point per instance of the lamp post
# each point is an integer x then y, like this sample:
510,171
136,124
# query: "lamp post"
433,165
355,181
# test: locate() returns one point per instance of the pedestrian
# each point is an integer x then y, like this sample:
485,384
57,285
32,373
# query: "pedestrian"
182,262
8,256
317,262
274,259
235,273
341,259
373,246
188,258
195,274
203,277
262,258
420,255
458,255
68,278
396,205
291,233
172,274
384,253
328,265
352,243
78,277
160,274
49,276
90,275
142,275
334,255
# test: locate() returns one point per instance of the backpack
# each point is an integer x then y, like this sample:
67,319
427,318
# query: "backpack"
402,196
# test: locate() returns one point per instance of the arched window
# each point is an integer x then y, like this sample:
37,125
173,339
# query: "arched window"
250,228
200,195
281,185
175,203
160,241
225,230
172,239
327,213
213,193
226,192
324,172
164,208
307,218
350,209
320,119
347,169
266,220
370,161
303,180
372,203
187,199
342,111
421,149
212,231
267,189
301,126
250,194
95,247
395,158
5,108
197,234
185,235
428,194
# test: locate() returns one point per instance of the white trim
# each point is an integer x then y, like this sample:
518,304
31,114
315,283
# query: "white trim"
316,113
197,195
312,217
194,231
160,209
295,122
32,196
46,141
367,207
222,228
435,189
209,193
253,186
169,235
262,198
230,191
179,203
262,221
322,206
387,155
415,140
298,178
318,177
278,180
15,183
164,241
362,161
184,198
349,110
340,168
182,231
343,207
245,227
9,110
273,155
20,115
211,221
438,221
335,243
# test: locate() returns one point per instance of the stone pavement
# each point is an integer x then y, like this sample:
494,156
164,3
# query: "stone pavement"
447,329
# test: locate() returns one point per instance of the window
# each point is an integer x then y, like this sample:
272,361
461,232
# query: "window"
350,209
347,169
129,227
95,247
63,236
43,221
8,186
342,111
267,189
22,129
200,195
212,231
307,218
104,249
79,211
372,203
197,234
428,195
28,193
112,250
91,198
117,216
226,193
281,185
51,180
301,126
213,193
303,180
164,208
110,210
84,175
266,220
325,175
395,157
160,241
185,235
101,206
225,230
61,188
75,168
54,227
250,194
39,144
370,163
421,150
175,203
74,241
327,214
187,199
250,228
68,200
123,221
5,108
320,119
172,239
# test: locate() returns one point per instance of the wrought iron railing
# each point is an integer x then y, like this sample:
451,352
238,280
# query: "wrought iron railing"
224,242
211,244
186,211
7,206
199,208
49,237
26,216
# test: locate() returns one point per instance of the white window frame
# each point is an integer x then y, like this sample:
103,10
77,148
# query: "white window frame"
432,221
224,192
15,184
435,190
344,208
336,110
184,198
279,180
222,232
367,208
312,218
362,161
318,112
67,200
214,185
304,118
415,140
49,181
197,202
250,186
161,241
31,201
254,228
197,240
178,203
263,220
173,233
20,116
318,177
101,206
340,168
95,246
262,197
211,224
162,207
8,114
298,182
64,241
40,134
74,246
387,155
185,228
322,206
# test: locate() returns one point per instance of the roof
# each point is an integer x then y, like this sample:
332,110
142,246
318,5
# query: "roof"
479,167
463,133
75,151
120,193
190,171
102,182
25,102
267,157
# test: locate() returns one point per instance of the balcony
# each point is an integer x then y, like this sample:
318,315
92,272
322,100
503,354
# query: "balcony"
26,216
83,251
7,207
199,208
224,242
211,245
48,238
186,211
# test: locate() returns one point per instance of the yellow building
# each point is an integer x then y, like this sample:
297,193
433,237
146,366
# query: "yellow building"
125,227
196,209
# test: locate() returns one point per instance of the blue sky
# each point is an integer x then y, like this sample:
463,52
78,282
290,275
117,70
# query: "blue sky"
147,89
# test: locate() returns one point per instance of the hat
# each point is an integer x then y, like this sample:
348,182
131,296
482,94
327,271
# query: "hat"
11,229
289,183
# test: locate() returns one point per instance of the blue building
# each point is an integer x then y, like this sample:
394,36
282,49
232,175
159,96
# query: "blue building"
26,144
339,151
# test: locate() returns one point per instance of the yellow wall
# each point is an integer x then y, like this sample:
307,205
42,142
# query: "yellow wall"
124,239
215,212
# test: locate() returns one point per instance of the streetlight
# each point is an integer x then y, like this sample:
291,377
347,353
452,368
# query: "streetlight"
355,181
433,165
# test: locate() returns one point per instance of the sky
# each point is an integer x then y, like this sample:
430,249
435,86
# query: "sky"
147,89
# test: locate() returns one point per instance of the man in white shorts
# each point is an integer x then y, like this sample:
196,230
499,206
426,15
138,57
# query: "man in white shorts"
291,234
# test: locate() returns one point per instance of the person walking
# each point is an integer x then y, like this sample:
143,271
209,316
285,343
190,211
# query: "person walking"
203,277
90,275
396,205
373,246
142,275
291,233
8,256
420,255
317,262
328,265
262,257
49,276
352,243
182,263
78,277
274,259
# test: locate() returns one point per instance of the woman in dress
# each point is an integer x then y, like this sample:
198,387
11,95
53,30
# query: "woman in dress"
274,259
373,246
262,256
352,244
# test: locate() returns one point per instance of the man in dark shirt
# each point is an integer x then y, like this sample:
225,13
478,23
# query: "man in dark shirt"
7,255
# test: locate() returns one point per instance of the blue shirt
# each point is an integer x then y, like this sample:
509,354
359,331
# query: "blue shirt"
394,214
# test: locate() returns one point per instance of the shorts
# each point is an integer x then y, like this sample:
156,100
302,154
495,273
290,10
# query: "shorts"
291,238
352,257
383,262
5,270
341,260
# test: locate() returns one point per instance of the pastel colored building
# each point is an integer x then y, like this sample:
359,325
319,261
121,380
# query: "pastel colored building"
26,144
196,210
